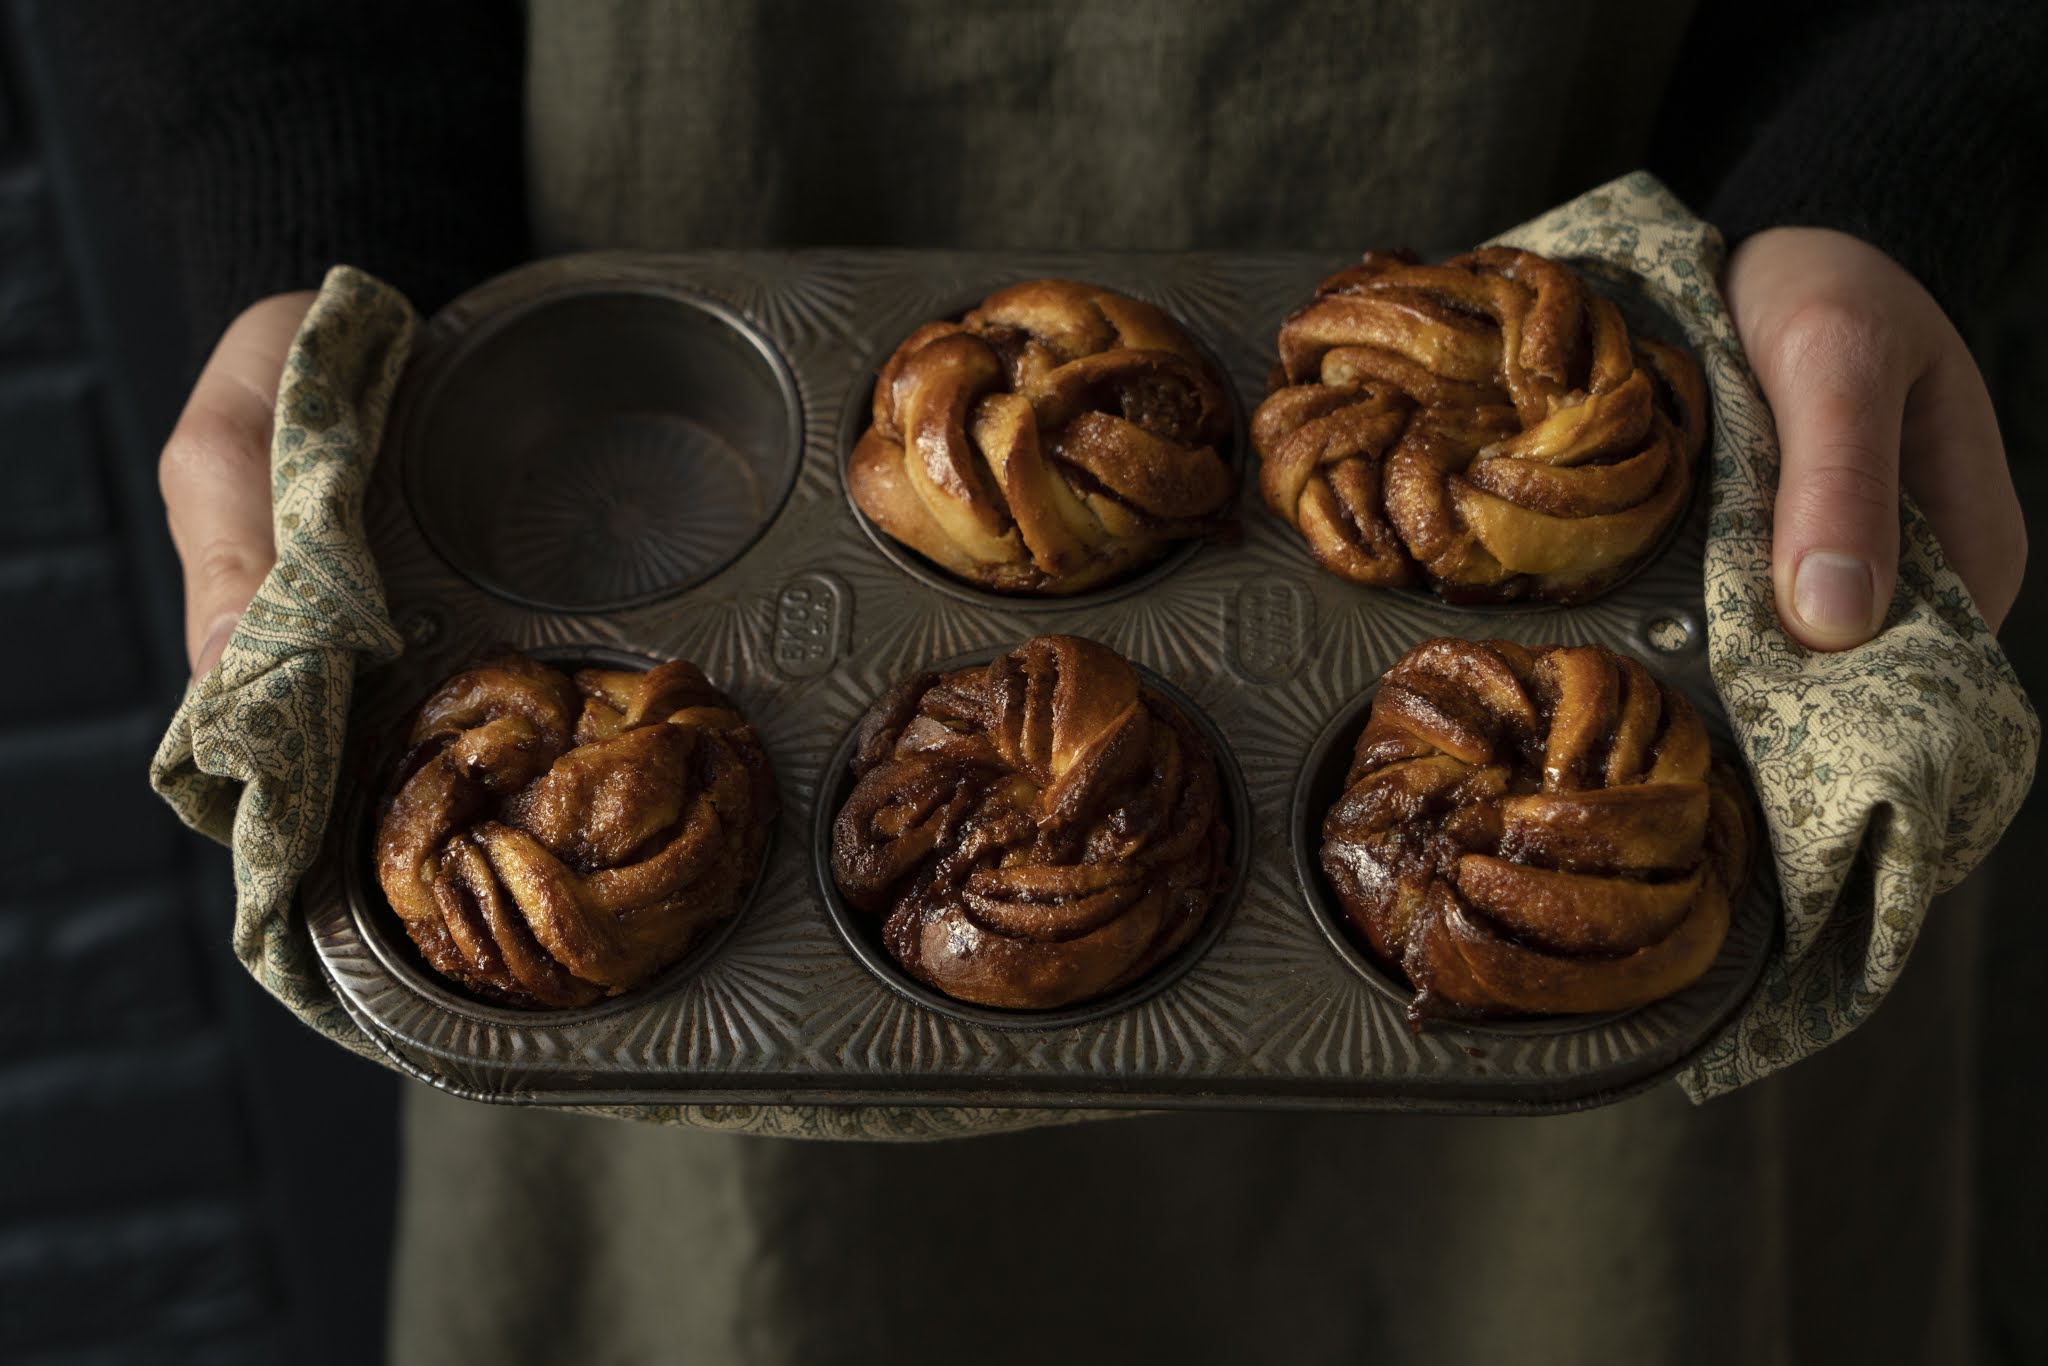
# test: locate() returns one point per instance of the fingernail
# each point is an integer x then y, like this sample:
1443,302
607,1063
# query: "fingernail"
216,642
1833,594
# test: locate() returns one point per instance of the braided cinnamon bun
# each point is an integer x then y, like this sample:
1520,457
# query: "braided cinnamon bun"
1037,831
1535,831
1054,439
1488,425
552,841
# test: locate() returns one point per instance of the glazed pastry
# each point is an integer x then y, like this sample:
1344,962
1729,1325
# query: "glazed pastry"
552,841
1535,831
1056,438
1487,426
1036,831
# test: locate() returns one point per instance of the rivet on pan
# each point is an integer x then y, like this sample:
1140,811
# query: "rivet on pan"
1670,634
419,627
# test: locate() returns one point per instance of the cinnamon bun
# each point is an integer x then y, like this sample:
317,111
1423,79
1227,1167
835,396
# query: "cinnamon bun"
1034,832
1489,426
1535,831
551,840
1056,438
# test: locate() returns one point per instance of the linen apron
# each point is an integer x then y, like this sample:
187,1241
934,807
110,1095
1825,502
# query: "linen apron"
1822,1215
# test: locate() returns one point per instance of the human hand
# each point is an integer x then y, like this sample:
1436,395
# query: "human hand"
215,473
1870,383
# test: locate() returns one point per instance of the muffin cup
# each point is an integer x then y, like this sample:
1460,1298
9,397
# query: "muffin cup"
385,934
1317,789
1644,318
859,415
862,932
596,448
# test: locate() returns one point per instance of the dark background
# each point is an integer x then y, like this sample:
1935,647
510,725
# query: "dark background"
186,1173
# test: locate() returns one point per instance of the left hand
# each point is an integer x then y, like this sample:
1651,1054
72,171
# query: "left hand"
1870,384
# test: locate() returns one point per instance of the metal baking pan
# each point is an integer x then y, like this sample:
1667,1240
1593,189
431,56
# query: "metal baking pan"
624,456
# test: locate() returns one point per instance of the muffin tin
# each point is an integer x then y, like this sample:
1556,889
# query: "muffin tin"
621,457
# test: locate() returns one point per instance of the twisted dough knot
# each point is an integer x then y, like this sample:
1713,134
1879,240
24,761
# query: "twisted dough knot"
1038,831
1488,423
1535,831
553,842
1055,438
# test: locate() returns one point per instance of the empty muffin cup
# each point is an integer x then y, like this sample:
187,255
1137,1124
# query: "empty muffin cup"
598,448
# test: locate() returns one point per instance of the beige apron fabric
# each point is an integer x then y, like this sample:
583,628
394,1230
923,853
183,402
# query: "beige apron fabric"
1078,123
1819,1216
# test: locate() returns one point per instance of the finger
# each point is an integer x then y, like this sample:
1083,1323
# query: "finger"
215,474
1953,463
1837,388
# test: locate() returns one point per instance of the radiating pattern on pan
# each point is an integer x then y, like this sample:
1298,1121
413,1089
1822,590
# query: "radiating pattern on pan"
725,635
1237,302
900,628
1316,1024
747,1007
655,501
875,1031
1270,740
1376,629
800,298
1339,1033
808,730
1171,632
1172,1034
1199,292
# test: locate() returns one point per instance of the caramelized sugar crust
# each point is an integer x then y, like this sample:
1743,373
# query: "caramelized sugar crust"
1535,831
1037,831
1487,426
1056,438
551,841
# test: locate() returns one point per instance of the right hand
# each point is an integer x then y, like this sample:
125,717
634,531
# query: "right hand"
1871,386
215,473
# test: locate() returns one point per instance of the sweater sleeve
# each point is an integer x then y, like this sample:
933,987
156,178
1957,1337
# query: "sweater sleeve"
1910,125
270,139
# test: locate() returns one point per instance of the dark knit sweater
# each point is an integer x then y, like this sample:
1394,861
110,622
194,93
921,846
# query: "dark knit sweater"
271,138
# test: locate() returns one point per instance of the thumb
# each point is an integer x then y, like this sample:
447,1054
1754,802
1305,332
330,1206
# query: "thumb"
1837,389
215,473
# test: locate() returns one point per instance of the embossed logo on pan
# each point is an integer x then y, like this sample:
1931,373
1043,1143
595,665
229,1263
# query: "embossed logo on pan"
1271,621
813,618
